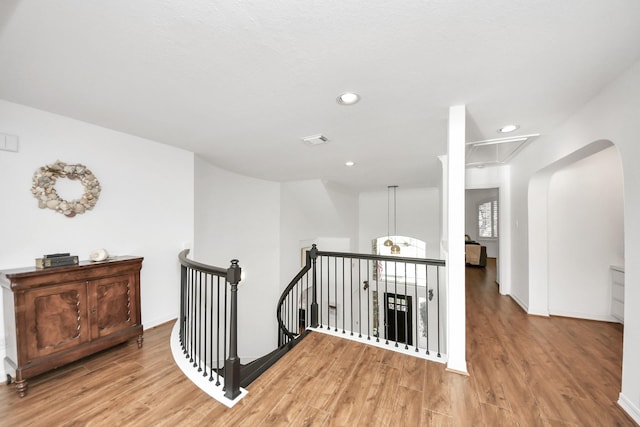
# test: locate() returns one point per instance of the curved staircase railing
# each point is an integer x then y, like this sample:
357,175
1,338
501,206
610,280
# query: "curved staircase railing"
208,317
387,301
390,300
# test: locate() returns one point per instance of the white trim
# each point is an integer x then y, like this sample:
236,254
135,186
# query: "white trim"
585,316
203,383
629,407
411,351
520,303
3,354
148,324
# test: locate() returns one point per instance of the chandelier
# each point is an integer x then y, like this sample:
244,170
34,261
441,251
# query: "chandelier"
395,249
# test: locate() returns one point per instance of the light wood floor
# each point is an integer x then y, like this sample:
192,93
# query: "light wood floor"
527,371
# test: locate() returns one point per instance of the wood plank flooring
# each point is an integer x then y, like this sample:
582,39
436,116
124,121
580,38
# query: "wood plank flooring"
524,370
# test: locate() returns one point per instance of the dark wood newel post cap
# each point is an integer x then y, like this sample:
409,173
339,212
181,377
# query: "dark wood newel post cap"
234,272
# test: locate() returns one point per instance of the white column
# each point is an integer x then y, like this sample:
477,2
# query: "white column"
539,245
455,238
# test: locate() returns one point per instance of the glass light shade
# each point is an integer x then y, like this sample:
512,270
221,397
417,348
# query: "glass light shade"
395,249
388,243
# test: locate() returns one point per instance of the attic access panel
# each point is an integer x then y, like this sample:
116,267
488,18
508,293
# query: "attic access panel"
495,151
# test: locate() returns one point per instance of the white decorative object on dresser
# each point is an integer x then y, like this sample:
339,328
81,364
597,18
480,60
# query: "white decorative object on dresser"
617,292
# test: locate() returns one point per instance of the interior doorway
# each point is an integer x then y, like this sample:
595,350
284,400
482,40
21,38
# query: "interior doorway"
482,220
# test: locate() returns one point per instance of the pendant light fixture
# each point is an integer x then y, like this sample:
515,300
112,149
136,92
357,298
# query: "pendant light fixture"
395,249
388,242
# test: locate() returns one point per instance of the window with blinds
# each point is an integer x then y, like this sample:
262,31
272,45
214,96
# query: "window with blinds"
488,219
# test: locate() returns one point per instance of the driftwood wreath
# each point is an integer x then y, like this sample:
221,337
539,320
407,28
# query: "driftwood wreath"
43,188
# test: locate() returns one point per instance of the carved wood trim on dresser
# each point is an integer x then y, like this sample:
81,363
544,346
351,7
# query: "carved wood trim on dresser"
55,316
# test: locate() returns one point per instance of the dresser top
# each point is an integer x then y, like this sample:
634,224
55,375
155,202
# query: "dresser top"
32,270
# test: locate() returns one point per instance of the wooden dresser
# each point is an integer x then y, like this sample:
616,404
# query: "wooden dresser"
55,316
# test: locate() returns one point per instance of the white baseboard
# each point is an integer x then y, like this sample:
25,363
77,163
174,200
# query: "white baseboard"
3,354
520,303
587,316
209,387
148,324
629,408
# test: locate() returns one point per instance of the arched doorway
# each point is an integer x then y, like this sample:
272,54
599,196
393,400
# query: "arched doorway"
576,232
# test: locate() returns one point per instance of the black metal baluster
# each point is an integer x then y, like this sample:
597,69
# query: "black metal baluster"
378,264
406,311
185,337
416,292
438,307
206,315
183,272
218,334
385,304
351,292
395,298
321,321
211,340
183,295
426,326
368,304
225,324
359,299
290,307
193,308
290,313
344,298
328,286
198,361
335,291
305,294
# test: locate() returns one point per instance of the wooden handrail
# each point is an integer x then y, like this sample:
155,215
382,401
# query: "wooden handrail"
217,271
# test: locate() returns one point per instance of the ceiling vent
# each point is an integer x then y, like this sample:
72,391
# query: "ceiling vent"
315,139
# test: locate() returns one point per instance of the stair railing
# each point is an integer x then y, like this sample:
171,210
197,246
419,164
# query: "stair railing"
393,301
284,311
208,316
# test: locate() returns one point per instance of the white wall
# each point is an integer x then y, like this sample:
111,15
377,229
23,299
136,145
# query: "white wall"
310,210
585,228
239,217
418,211
612,115
145,208
472,199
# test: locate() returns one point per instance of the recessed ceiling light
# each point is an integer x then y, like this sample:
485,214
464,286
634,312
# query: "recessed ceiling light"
348,98
349,163
508,128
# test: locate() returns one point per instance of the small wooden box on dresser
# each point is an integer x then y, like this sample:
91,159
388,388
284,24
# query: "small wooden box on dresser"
58,315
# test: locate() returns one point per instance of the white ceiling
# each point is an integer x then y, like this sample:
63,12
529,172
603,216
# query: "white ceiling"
241,82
